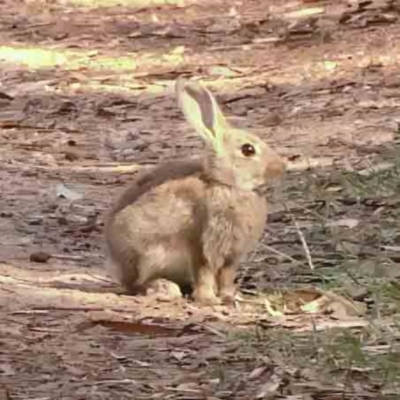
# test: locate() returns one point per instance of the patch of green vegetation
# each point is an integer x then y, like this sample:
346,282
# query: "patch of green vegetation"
370,354
350,222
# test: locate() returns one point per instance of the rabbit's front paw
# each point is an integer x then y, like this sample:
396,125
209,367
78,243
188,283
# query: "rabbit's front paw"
226,285
227,298
204,290
206,296
227,294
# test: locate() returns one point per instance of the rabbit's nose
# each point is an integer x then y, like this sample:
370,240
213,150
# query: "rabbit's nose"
275,166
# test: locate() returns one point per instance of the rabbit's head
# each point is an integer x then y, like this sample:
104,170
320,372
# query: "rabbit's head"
236,157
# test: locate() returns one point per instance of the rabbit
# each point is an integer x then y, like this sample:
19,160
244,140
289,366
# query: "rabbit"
192,222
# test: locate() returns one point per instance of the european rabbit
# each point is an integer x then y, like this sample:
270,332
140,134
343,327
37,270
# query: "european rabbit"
191,222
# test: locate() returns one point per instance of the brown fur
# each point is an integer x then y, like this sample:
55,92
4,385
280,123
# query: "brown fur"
145,181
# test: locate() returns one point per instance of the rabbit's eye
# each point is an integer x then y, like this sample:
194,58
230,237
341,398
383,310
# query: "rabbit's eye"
248,150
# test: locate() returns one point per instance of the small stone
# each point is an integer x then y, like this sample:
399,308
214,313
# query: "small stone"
71,156
39,257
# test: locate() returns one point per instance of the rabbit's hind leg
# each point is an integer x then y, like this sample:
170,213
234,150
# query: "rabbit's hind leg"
163,271
164,290
122,265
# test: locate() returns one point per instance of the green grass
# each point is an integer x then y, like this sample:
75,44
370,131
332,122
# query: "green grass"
360,261
370,355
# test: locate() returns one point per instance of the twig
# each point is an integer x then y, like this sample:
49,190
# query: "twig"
302,238
213,331
102,279
279,253
70,257
115,382
43,309
30,312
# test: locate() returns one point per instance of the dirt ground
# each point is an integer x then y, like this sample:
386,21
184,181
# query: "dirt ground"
86,100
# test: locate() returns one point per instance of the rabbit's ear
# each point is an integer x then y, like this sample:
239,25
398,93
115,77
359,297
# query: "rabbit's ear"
202,112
